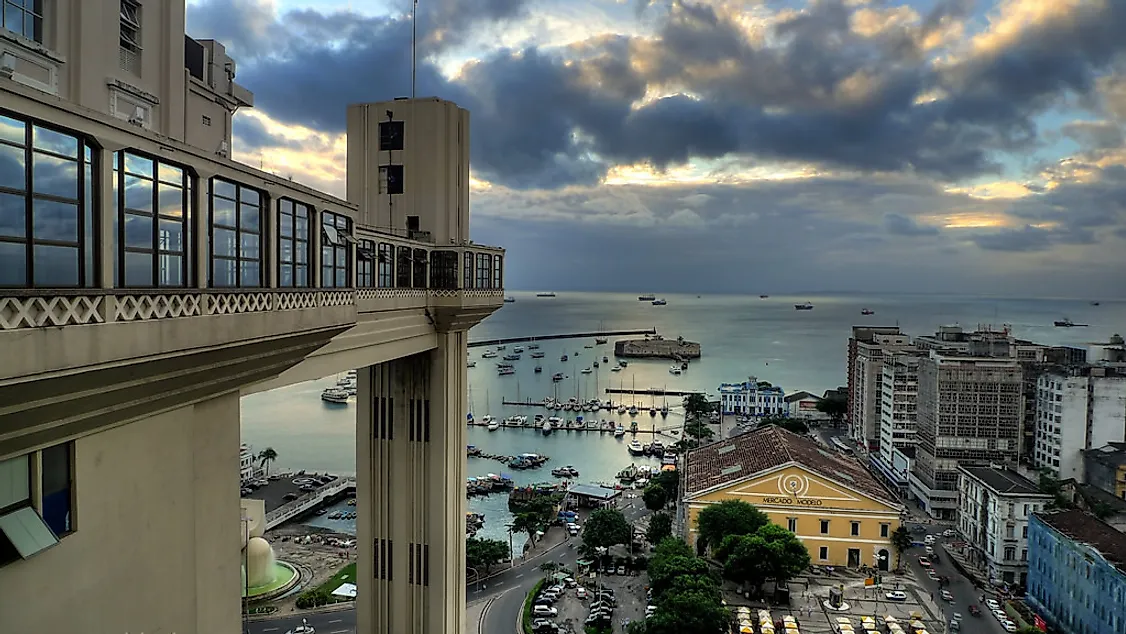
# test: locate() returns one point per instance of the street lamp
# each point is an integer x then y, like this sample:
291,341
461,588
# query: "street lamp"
476,579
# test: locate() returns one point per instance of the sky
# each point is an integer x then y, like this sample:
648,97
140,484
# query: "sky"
741,146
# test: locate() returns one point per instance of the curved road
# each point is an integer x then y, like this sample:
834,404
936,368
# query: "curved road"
509,587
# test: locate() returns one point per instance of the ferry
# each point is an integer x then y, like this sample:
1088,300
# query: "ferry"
867,311
619,431
646,298
548,294
634,448
335,396
805,306
1067,323
659,302
489,355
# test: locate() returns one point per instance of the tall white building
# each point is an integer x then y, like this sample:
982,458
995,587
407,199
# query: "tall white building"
1077,409
899,390
993,508
248,466
867,350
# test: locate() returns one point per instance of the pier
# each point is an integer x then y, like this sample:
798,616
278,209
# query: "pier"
652,392
577,335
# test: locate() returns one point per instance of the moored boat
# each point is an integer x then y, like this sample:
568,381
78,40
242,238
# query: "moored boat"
805,306
635,448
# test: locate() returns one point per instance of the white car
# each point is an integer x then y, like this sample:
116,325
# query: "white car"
1000,616
896,595
544,610
993,605
581,592
304,628
948,533
1009,626
928,540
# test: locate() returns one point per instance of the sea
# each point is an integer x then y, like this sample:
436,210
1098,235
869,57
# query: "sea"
740,337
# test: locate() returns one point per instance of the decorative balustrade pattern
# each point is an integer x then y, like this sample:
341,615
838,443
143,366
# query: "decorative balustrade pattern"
144,307
365,294
40,312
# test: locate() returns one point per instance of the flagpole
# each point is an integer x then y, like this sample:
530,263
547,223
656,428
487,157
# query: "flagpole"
414,45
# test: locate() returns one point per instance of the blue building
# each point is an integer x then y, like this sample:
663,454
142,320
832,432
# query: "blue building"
752,398
1077,572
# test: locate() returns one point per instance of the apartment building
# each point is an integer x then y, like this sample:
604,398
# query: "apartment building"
1105,468
867,349
1077,409
994,504
147,281
898,403
969,412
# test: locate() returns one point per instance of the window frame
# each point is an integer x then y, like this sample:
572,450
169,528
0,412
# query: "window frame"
385,137
366,257
443,270
404,267
469,263
36,19
261,233
420,260
87,244
35,497
484,270
154,250
294,241
389,186
385,265
825,527
498,271
341,226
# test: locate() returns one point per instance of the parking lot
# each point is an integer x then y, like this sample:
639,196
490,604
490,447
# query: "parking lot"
625,603
282,488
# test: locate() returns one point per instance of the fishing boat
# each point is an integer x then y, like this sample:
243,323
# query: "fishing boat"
493,425
646,298
805,306
538,369
659,302
619,431
547,294
635,448
867,311
547,426
1067,323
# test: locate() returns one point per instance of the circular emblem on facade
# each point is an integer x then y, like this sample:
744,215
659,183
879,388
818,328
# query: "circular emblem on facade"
793,485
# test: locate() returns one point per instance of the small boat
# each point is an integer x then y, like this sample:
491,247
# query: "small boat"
1094,303
511,357
506,371
504,365
635,448
598,341
501,347
623,363
619,431
548,294
633,410
537,355
675,370
805,306
563,359
621,409
595,364
533,346
665,410
1067,323
558,376
488,420
509,300
652,411
659,302
538,369
586,371
605,359
547,428
763,296
518,349
471,364
646,298
335,395
565,472
489,355
616,368
684,366
493,426
867,311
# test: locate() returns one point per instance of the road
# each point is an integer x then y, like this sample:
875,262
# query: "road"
509,588
965,594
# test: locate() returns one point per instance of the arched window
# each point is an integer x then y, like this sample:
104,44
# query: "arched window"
294,243
153,221
47,207
236,235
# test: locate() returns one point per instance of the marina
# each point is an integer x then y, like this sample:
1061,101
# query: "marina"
601,335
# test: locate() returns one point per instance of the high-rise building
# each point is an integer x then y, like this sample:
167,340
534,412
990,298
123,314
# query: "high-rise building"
899,390
969,412
147,281
1077,409
866,351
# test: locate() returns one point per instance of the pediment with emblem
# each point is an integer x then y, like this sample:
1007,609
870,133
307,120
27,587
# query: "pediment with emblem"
793,486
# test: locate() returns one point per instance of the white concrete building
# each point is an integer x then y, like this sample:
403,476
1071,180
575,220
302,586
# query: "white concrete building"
147,281
867,348
899,389
1077,409
248,464
804,405
993,508
751,398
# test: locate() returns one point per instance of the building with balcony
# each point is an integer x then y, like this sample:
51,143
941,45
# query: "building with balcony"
147,281
1078,409
867,349
994,504
752,398
1076,572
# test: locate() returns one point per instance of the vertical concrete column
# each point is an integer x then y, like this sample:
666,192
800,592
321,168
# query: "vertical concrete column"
200,224
104,233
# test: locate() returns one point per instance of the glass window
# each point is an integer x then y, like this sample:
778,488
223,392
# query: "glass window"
365,263
467,266
336,231
391,136
824,527
152,204
420,262
498,273
46,207
294,243
443,270
24,17
855,528
386,265
484,270
404,267
56,465
236,232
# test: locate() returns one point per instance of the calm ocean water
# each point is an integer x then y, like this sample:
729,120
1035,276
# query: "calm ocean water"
740,337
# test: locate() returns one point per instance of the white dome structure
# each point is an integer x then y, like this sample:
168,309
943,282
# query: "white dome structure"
260,561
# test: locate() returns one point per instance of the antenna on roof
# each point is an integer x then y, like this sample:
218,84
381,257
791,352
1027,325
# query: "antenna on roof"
414,45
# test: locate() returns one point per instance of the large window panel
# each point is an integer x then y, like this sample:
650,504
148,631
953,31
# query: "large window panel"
46,207
468,263
443,270
57,487
403,266
386,265
153,221
421,261
498,272
336,232
23,17
365,263
236,235
484,270
294,243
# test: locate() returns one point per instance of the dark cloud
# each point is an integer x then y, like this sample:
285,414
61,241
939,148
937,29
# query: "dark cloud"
1031,238
900,225
1094,135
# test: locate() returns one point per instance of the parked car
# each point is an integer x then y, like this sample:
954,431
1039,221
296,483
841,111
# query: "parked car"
929,539
544,610
581,593
1009,626
930,551
948,532
992,604
895,595
946,596
924,562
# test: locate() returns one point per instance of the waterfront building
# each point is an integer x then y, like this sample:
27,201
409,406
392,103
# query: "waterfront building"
752,398
866,351
147,281
1077,573
1105,468
843,515
804,405
969,412
249,466
994,504
1077,409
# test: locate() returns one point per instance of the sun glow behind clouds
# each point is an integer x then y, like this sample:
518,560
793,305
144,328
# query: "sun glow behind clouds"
724,171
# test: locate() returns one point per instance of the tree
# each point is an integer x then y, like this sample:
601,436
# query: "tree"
772,552
670,482
664,572
655,497
528,522
696,406
483,554
730,517
834,408
698,430
695,606
900,541
605,528
267,456
660,527
795,425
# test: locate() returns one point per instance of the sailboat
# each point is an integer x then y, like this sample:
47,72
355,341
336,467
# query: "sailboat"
665,405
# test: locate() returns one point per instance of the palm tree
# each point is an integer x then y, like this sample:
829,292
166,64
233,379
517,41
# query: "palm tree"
265,457
900,541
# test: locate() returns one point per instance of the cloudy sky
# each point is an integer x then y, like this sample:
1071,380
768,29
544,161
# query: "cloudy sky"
733,145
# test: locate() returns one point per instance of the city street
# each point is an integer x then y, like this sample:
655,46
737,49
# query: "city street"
965,594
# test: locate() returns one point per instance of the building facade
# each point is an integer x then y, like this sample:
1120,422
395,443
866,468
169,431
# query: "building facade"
249,466
842,514
752,398
1077,573
994,504
867,350
1077,409
1105,469
147,281
899,391
969,412
804,405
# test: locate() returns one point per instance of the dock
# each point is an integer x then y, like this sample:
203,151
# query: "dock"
576,335
652,392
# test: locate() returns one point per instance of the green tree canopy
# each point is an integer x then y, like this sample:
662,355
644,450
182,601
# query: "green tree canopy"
696,406
605,528
834,408
795,425
698,430
655,497
527,522
772,552
483,554
900,541
670,482
694,606
660,527
730,517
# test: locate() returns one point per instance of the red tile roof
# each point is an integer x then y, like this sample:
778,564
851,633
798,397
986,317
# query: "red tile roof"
1088,529
754,452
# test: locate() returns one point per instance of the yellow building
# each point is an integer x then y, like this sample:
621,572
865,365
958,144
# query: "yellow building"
843,514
